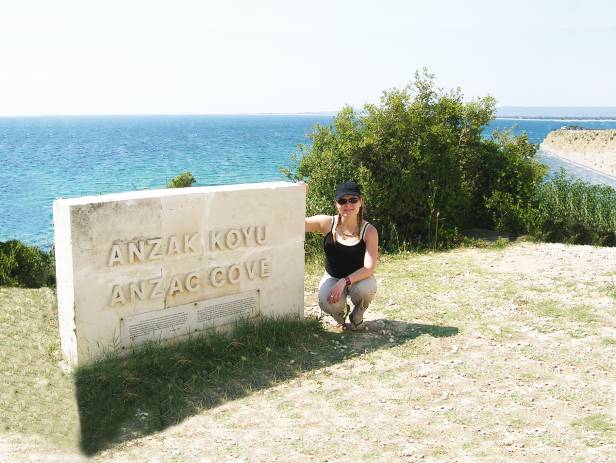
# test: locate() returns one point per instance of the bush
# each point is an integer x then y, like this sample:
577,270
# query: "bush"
184,180
572,211
425,168
26,266
505,179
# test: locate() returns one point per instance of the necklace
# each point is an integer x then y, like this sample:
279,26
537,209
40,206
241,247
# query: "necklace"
350,235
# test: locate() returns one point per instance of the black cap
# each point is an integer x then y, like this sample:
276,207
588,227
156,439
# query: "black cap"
347,188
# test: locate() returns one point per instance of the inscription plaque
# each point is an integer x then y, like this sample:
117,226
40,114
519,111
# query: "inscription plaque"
225,309
179,321
154,325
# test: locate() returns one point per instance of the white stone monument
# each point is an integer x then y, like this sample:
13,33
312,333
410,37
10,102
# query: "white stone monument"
160,264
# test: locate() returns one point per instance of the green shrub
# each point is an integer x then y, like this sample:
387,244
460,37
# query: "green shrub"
569,210
503,177
26,266
185,179
421,155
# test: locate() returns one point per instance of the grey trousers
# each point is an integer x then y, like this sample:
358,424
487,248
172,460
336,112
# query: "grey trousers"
361,294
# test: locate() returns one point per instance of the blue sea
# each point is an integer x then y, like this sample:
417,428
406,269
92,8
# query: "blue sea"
43,158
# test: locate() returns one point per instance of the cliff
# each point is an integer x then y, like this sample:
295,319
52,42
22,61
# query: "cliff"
591,148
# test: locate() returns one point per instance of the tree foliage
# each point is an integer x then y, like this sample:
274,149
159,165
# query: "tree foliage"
424,165
183,180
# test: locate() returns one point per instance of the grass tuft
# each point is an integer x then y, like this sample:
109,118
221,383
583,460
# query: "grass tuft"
599,424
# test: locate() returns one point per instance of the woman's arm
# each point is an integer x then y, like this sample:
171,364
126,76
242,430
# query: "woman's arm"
372,254
370,258
318,223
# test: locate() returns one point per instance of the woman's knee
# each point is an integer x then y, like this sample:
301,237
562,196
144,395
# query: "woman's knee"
333,309
325,287
363,291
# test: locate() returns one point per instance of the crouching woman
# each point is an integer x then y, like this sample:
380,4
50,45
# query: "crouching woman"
351,251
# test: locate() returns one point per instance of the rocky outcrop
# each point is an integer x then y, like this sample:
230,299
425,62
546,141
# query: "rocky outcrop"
591,148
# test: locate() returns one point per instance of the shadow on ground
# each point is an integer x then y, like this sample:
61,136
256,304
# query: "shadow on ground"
158,386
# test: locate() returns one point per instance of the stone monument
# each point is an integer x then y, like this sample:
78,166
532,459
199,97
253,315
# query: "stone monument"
161,264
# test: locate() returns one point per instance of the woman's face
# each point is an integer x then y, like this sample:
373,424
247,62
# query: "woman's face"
348,205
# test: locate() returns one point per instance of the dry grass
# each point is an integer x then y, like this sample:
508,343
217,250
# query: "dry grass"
36,396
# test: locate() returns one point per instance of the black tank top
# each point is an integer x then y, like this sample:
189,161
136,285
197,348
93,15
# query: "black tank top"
342,260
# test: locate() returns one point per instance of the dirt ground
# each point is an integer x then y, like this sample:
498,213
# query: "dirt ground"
491,355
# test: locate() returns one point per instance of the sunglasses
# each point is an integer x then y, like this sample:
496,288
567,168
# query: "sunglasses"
352,200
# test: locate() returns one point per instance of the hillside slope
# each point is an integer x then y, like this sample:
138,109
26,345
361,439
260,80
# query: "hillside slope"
471,355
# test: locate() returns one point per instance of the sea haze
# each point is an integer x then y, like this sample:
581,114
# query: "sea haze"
49,157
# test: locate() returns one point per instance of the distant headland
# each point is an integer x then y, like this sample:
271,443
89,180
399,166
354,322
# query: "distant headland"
591,148
557,112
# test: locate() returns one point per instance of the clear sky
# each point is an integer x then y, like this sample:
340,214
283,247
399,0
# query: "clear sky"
252,56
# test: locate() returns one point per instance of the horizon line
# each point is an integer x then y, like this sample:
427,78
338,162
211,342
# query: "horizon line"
276,113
